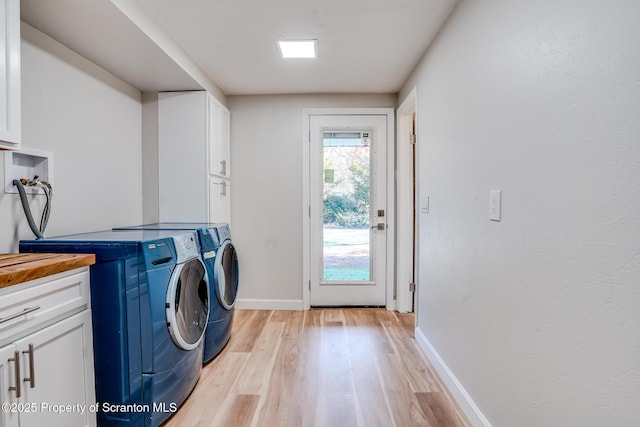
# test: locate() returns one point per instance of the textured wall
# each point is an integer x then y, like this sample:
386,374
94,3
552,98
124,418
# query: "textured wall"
538,316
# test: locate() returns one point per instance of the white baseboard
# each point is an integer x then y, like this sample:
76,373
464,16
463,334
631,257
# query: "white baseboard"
269,304
454,386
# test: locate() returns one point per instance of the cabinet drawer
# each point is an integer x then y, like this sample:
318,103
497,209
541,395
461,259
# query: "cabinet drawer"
33,305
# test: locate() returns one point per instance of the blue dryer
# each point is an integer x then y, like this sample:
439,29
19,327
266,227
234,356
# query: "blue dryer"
221,260
150,305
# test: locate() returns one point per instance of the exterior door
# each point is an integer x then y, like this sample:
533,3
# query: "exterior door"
348,212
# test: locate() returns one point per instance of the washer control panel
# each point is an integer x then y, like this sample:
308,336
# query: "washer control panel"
186,246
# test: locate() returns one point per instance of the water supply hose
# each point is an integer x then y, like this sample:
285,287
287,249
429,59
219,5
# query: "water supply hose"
27,209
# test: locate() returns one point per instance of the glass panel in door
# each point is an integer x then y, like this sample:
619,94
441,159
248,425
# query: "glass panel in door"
346,193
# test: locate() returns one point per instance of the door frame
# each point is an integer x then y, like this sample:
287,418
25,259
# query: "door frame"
306,197
404,177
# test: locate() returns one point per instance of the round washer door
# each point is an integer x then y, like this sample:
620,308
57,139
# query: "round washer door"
188,304
226,275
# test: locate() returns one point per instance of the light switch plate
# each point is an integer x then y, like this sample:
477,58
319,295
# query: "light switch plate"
495,205
424,205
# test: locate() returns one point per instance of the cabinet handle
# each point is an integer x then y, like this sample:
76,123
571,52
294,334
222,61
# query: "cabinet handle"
21,313
223,167
32,371
223,188
16,360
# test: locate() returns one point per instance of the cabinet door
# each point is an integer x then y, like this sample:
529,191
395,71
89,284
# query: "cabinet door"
219,136
60,366
182,156
10,74
225,148
216,167
219,199
8,416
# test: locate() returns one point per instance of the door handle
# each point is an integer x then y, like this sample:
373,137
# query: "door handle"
16,360
380,226
21,313
32,371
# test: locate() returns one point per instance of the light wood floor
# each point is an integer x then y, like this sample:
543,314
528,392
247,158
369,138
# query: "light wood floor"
333,367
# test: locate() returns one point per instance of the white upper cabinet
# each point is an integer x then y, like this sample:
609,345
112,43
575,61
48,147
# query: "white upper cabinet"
193,145
10,74
219,139
182,157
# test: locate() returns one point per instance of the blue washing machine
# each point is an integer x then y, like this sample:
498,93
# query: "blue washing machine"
221,260
150,305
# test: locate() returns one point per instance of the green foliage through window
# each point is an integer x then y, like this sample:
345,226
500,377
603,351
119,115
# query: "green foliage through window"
347,198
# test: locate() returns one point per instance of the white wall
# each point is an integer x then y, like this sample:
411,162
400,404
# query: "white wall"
266,156
150,166
537,316
92,122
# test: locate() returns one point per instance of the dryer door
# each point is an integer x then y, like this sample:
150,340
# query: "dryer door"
226,275
187,304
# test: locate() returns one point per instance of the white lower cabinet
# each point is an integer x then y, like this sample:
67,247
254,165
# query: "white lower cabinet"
219,200
7,380
52,382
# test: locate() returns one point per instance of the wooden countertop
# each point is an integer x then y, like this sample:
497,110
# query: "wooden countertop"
19,268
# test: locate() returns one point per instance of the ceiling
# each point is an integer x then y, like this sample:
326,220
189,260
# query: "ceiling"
364,46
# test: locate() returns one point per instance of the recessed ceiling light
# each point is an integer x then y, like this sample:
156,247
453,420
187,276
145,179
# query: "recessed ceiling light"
298,48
